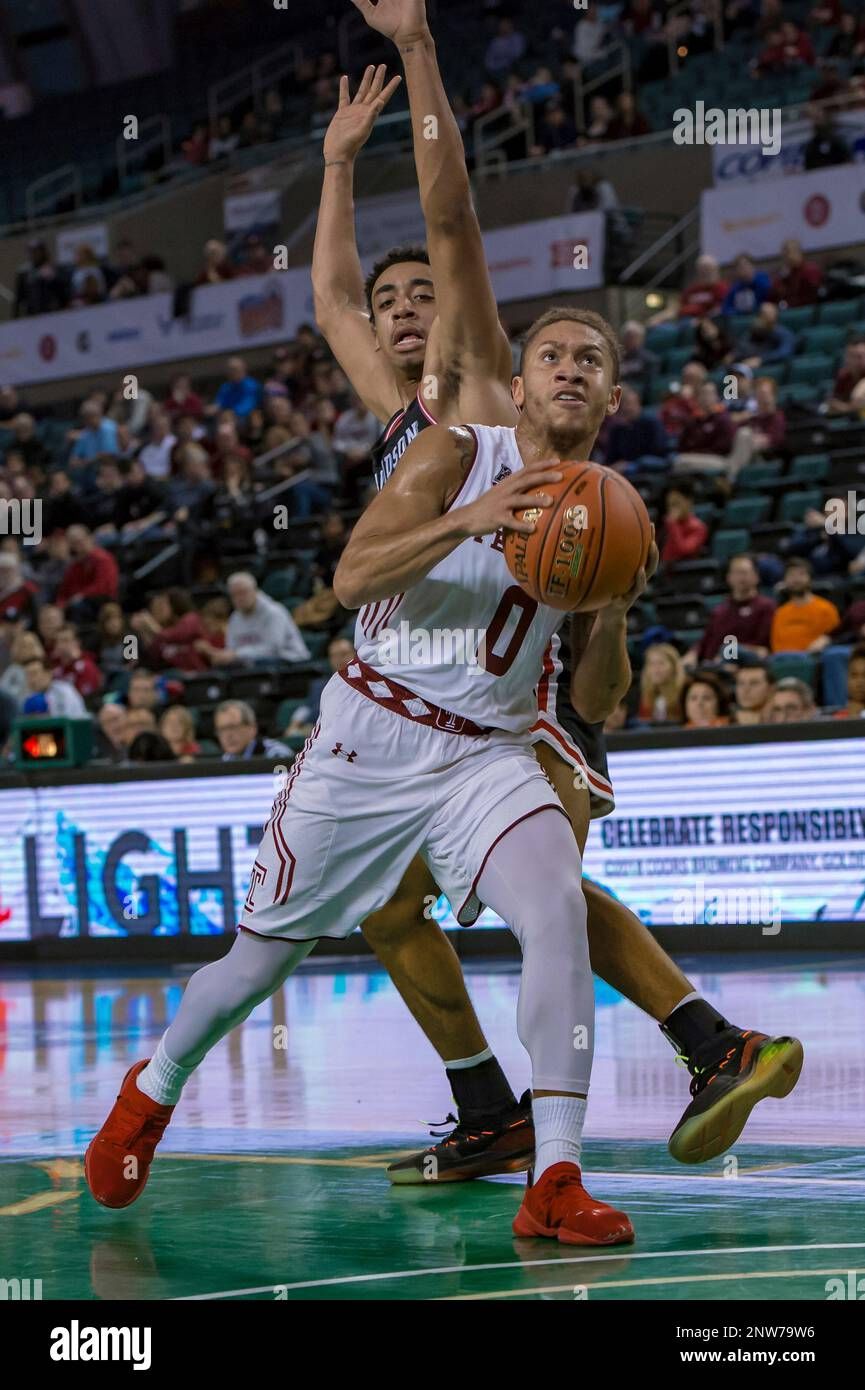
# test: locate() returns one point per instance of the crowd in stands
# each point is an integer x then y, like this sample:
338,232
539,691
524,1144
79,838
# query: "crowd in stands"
182,592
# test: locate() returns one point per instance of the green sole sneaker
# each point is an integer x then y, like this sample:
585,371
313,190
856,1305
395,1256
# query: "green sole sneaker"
753,1068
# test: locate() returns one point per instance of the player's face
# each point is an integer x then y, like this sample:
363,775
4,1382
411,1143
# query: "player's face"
404,309
567,387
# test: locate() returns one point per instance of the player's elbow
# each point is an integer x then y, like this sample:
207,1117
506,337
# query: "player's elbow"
347,585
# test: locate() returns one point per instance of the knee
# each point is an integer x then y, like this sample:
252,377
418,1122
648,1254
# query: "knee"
392,926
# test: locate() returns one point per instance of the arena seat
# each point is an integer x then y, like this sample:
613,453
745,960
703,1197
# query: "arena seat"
801,665
794,505
728,542
842,311
745,511
811,468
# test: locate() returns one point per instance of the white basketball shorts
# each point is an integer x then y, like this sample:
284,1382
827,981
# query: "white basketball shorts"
370,790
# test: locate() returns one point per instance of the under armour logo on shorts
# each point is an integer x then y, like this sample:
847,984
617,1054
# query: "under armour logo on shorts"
338,753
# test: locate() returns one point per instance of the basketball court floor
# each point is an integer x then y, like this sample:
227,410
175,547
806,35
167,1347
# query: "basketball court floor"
270,1183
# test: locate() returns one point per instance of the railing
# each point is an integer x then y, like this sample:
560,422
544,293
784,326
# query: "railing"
154,133
489,151
44,193
620,66
251,81
684,250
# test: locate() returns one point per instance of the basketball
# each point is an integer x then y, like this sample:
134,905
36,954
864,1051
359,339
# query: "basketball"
588,547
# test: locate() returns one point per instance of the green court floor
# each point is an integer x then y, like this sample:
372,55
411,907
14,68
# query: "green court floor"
324,1223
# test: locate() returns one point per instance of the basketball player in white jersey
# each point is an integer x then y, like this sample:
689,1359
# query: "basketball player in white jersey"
433,760
437,353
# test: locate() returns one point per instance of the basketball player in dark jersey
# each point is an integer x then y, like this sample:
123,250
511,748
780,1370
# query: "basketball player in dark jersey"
421,342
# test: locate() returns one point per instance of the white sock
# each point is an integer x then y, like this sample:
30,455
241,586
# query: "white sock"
558,1130
464,1063
162,1079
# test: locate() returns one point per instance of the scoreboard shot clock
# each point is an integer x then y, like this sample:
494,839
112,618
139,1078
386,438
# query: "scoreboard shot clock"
41,741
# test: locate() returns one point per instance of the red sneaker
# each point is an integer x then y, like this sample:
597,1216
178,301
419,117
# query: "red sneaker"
118,1159
558,1205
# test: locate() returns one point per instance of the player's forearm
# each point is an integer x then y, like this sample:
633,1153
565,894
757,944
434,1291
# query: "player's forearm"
378,566
337,278
439,155
602,676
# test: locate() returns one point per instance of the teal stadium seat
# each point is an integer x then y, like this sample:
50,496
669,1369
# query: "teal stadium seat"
801,666
798,319
794,505
842,311
757,475
280,583
746,511
729,542
809,468
812,367
827,337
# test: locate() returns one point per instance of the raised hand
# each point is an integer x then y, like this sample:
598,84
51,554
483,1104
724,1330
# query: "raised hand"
353,120
400,20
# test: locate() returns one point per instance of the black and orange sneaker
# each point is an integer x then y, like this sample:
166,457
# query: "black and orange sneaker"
502,1143
730,1074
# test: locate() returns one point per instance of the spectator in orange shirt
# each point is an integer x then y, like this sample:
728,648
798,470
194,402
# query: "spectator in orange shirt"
683,534
804,622
705,701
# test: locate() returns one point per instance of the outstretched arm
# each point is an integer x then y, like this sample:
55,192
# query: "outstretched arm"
472,337
411,525
337,278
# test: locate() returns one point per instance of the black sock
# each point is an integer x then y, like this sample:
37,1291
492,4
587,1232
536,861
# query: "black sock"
690,1025
480,1090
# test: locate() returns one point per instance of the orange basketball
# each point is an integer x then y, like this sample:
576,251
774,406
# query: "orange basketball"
588,547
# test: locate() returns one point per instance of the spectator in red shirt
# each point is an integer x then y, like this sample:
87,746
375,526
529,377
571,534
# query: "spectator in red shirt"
681,405
683,535
71,663
796,282
852,372
717,442
746,615
707,291
169,631
194,149
17,594
183,400
91,577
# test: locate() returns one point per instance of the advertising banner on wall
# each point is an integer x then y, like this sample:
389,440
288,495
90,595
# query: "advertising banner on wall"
738,163
822,209
550,256
701,836
95,236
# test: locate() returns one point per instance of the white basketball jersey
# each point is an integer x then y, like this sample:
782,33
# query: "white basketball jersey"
467,637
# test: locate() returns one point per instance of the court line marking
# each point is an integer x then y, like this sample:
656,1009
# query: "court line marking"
621,1253
38,1201
635,1284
